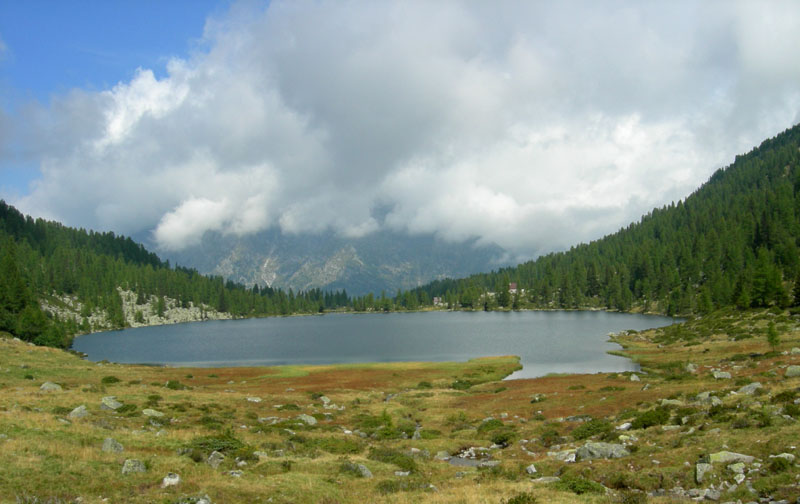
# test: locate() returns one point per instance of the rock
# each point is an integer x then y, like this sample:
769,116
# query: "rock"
635,377
79,412
442,455
721,375
749,389
726,457
50,387
691,368
152,413
594,450
546,479
363,471
254,399
700,471
787,456
671,402
325,400
739,478
236,474
625,426
531,469
792,371
402,473
112,446
417,434
110,403
171,479
307,419
795,351
712,494
736,468
568,456
133,466
215,459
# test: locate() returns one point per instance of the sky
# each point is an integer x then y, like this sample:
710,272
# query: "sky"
532,125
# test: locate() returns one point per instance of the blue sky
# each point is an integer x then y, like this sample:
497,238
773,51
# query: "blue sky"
532,125
54,46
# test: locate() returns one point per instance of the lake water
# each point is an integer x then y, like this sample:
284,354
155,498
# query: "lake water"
546,341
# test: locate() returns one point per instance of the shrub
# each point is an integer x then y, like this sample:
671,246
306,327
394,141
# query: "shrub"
461,385
390,456
578,485
631,497
424,385
551,437
175,385
657,416
222,443
108,380
126,408
503,437
61,410
289,407
490,425
520,498
592,428
779,464
350,468
339,446
785,397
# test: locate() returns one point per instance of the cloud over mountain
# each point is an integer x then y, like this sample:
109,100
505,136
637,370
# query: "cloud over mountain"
533,125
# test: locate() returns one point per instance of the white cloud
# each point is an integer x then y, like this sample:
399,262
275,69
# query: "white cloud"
532,125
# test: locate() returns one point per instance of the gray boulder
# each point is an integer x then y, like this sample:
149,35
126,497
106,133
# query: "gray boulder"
148,412
531,469
749,389
727,457
111,445
171,479
792,372
50,387
307,419
700,471
215,459
364,471
133,466
635,377
721,375
110,403
79,412
596,450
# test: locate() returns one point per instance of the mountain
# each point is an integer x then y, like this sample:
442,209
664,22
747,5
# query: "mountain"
733,242
381,261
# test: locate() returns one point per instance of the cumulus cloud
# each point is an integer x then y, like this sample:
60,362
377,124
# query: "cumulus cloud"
529,124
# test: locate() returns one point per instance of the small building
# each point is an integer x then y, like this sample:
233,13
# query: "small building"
512,287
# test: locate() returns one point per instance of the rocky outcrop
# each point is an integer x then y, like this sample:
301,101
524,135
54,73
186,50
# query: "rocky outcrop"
131,466
50,387
595,450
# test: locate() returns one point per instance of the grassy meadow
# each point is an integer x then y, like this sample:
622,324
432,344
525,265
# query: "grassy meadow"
382,432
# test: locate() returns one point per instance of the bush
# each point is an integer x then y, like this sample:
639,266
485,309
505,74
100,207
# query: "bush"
461,385
175,385
490,425
503,437
592,428
631,497
289,407
520,498
657,416
126,408
578,485
339,446
424,385
779,465
223,443
390,456
108,380
551,437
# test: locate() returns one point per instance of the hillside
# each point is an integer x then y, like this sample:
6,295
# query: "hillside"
733,242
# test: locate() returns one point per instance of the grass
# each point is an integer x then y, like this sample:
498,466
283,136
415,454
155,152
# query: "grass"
49,458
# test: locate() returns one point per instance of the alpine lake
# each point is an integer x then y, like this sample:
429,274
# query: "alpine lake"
546,341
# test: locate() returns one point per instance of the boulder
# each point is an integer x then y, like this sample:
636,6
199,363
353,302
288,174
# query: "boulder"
671,402
442,455
721,375
737,468
531,469
700,471
749,389
727,457
792,371
624,426
254,399
79,412
110,403
111,445
787,456
691,368
133,466
325,400
171,479
363,471
795,351
215,459
595,450
50,387
307,419
152,413
635,377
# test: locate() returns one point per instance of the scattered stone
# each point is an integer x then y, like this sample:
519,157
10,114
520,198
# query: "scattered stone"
531,469
726,457
307,419
254,399
50,387
111,445
79,412
712,494
625,426
635,377
442,455
691,368
171,479
567,456
594,450
417,434
364,471
148,412
749,389
402,473
737,468
215,459
792,371
739,478
236,474
110,403
721,375
133,466
787,456
646,387
700,471
535,398
671,402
